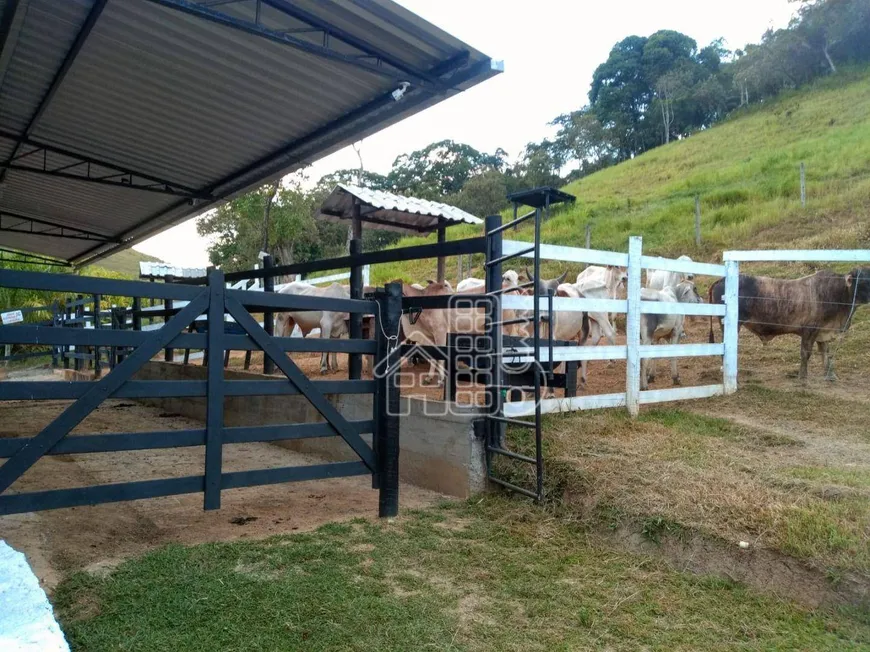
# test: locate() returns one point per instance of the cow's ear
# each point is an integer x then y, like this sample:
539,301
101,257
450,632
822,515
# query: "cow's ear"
850,278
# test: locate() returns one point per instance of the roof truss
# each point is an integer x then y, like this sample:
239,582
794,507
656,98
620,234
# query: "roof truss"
17,223
39,158
80,39
370,57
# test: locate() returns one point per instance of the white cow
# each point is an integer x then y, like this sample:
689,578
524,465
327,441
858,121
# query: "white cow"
659,279
331,324
612,277
600,324
469,284
657,327
510,279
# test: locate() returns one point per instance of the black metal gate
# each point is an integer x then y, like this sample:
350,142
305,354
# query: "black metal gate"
542,374
380,459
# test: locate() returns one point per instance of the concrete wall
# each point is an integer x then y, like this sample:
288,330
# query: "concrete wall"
437,452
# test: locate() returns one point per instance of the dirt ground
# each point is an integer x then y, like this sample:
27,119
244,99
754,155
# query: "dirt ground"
59,541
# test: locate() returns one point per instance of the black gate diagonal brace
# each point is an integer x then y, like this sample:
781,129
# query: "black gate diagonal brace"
38,446
301,382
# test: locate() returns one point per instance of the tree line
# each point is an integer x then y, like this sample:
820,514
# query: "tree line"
648,92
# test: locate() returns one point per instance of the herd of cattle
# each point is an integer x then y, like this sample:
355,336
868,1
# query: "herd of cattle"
818,308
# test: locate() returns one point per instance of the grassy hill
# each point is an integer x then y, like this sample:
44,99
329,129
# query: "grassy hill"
126,262
746,173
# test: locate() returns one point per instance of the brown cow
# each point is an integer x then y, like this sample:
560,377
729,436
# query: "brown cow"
818,307
430,327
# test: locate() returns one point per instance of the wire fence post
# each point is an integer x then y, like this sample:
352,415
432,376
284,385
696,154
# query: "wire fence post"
268,315
588,235
387,435
730,326
632,327
697,220
354,360
803,185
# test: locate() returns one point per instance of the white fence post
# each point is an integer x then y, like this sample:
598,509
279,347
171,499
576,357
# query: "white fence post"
632,327
366,276
732,284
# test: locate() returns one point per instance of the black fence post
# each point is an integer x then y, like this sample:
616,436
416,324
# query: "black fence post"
387,421
379,365
215,392
494,331
80,323
354,360
168,354
97,307
268,316
136,317
64,350
57,322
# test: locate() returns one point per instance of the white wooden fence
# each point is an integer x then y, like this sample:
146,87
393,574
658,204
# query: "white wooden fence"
634,261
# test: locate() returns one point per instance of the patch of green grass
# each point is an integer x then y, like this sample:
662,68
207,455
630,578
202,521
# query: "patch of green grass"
496,575
857,478
820,529
656,527
691,423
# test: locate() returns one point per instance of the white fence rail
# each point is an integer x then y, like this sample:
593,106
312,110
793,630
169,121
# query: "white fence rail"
634,306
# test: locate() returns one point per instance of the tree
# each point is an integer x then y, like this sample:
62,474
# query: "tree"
620,94
236,228
441,169
834,28
539,166
484,194
582,137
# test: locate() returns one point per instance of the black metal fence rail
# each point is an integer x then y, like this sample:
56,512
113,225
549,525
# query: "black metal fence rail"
379,459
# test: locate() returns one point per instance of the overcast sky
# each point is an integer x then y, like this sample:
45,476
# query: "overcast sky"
554,45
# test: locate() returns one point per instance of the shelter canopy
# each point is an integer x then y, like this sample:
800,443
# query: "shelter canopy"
119,119
391,212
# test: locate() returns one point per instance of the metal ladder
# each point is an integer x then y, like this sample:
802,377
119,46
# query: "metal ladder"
497,423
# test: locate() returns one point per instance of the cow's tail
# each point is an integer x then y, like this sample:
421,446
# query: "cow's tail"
712,338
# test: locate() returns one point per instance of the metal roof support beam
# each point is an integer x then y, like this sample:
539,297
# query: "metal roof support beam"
284,38
68,232
294,11
61,73
22,258
118,177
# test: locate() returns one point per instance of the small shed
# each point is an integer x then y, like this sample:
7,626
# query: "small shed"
386,210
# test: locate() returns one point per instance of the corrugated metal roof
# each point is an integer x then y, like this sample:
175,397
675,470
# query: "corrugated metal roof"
208,107
391,212
159,270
